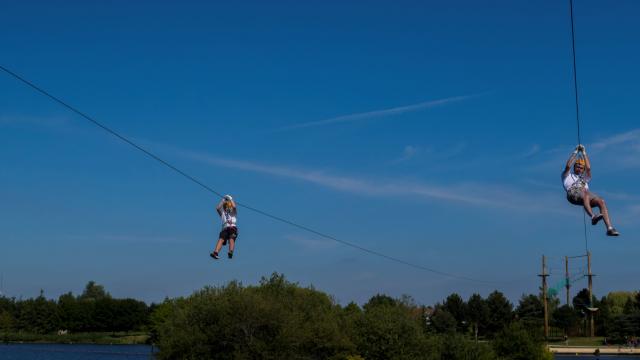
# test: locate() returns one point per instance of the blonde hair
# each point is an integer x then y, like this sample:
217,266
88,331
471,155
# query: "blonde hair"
580,162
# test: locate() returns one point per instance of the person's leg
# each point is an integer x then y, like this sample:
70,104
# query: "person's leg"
586,202
594,201
233,235
232,245
219,245
604,211
599,203
214,254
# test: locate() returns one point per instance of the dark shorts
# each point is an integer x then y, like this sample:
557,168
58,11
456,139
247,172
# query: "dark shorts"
575,196
229,233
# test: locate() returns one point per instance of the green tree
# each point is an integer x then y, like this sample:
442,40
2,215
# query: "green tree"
630,306
582,300
500,312
7,314
389,330
350,316
623,326
514,342
443,322
530,312
276,320
603,317
565,318
6,321
132,315
159,314
478,314
72,316
85,313
94,292
380,300
38,315
618,299
456,306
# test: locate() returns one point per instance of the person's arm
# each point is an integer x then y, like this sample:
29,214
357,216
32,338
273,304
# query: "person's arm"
219,207
234,208
572,159
587,163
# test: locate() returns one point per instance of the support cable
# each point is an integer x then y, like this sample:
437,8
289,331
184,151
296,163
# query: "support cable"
575,89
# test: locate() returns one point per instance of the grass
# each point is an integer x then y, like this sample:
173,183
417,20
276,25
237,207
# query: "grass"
118,338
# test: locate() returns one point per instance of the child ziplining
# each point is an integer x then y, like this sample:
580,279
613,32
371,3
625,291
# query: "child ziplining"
228,213
576,184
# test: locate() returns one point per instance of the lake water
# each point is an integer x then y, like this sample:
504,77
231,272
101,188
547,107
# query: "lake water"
74,352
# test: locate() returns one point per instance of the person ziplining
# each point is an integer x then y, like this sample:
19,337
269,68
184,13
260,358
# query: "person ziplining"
576,184
228,212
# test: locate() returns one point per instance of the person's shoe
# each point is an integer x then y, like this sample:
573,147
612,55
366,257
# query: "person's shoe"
612,232
596,218
230,255
214,255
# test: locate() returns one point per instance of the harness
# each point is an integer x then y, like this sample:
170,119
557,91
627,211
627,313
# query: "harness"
577,188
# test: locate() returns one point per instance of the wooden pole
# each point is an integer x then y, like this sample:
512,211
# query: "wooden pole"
566,278
544,296
590,276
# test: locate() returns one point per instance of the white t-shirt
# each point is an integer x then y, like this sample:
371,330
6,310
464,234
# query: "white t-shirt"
228,217
573,180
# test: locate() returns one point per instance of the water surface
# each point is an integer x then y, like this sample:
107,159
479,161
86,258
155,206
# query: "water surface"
74,352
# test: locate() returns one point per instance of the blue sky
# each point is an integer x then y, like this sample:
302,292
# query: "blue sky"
432,132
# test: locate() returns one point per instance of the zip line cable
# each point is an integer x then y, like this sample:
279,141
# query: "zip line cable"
211,190
575,69
575,89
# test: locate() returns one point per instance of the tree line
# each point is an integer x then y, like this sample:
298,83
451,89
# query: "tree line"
92,311
617,315
280,319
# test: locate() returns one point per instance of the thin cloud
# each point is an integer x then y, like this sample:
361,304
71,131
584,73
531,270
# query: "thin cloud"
632,136
380,113
408,152
533,151
628,216
619,151
619,195
464,193
432,153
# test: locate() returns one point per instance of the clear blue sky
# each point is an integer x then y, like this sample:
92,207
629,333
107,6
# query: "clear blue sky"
431,131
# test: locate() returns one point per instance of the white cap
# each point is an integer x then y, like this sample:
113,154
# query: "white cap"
228,197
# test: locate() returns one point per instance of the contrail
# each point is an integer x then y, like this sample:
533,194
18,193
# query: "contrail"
380,113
